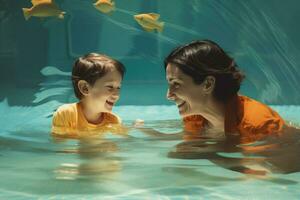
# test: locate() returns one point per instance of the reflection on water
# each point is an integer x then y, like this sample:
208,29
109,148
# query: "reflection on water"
98,162
271,155
145,166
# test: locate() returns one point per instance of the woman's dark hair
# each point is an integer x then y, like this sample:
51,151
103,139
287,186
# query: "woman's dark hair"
92,67
202,58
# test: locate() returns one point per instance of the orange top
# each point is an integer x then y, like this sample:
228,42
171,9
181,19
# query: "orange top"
69,121
250,119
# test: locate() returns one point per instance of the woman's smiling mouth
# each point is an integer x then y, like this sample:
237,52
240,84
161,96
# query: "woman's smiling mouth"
181,104
183,107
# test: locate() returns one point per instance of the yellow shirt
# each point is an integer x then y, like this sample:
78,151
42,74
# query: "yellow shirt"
69,121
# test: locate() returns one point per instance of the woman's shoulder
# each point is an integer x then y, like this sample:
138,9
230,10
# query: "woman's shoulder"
259,116
256,111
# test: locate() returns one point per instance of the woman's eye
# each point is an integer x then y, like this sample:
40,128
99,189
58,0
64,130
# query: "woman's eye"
176,85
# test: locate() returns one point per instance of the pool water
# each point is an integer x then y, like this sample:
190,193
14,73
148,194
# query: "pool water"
34,165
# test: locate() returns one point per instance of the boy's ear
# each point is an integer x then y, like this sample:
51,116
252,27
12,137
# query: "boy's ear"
209,84
83,87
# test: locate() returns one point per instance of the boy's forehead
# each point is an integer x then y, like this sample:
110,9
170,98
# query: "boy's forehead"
111,76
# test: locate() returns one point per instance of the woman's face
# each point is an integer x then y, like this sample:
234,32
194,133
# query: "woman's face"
188,96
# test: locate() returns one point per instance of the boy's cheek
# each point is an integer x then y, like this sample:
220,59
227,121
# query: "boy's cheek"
99,95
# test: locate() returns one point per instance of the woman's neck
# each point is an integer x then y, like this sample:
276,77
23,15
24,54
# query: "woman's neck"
90,114
214,113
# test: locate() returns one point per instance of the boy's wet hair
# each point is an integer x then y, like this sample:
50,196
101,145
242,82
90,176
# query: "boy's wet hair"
91,67
203,58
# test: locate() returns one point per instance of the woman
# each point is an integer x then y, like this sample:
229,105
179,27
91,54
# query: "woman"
204,83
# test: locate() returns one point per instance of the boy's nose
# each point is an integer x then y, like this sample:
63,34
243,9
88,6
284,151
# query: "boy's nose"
170,95
115,98
116,94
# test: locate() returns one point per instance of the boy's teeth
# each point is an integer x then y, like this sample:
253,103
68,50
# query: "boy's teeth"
110,103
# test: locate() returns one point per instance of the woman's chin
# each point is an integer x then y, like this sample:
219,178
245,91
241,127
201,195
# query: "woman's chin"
187,111
184,112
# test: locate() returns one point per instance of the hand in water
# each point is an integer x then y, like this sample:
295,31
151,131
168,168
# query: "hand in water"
138,123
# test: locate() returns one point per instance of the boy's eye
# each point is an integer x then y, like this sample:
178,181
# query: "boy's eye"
112,87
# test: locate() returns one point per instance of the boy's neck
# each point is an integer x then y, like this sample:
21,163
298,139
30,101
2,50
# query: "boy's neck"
90,115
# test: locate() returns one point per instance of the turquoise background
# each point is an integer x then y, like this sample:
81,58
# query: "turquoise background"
263,37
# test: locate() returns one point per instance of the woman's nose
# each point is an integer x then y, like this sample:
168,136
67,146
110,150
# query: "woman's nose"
170,95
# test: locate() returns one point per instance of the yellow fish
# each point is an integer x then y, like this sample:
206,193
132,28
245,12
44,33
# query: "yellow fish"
105,6
43,8
150,22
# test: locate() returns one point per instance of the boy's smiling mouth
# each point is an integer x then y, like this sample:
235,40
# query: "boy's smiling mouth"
110,103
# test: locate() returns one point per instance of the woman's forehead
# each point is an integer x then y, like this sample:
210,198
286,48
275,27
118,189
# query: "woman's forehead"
174,72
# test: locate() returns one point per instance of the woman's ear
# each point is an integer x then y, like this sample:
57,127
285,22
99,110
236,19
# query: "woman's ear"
209,84
83,87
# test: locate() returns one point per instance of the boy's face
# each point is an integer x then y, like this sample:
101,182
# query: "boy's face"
105,92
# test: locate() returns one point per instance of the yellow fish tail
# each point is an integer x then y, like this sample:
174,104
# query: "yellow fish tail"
160,27
26,12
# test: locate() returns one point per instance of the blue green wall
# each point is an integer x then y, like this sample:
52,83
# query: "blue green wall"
263,37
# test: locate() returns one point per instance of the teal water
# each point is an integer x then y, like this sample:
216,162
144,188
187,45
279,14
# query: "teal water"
36,58
34,166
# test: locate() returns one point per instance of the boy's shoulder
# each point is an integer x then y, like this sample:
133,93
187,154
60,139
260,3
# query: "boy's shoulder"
67,108
64,119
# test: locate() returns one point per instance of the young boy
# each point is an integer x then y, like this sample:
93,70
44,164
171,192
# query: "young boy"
96,81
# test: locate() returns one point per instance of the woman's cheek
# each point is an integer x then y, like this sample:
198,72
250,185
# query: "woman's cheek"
180,93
